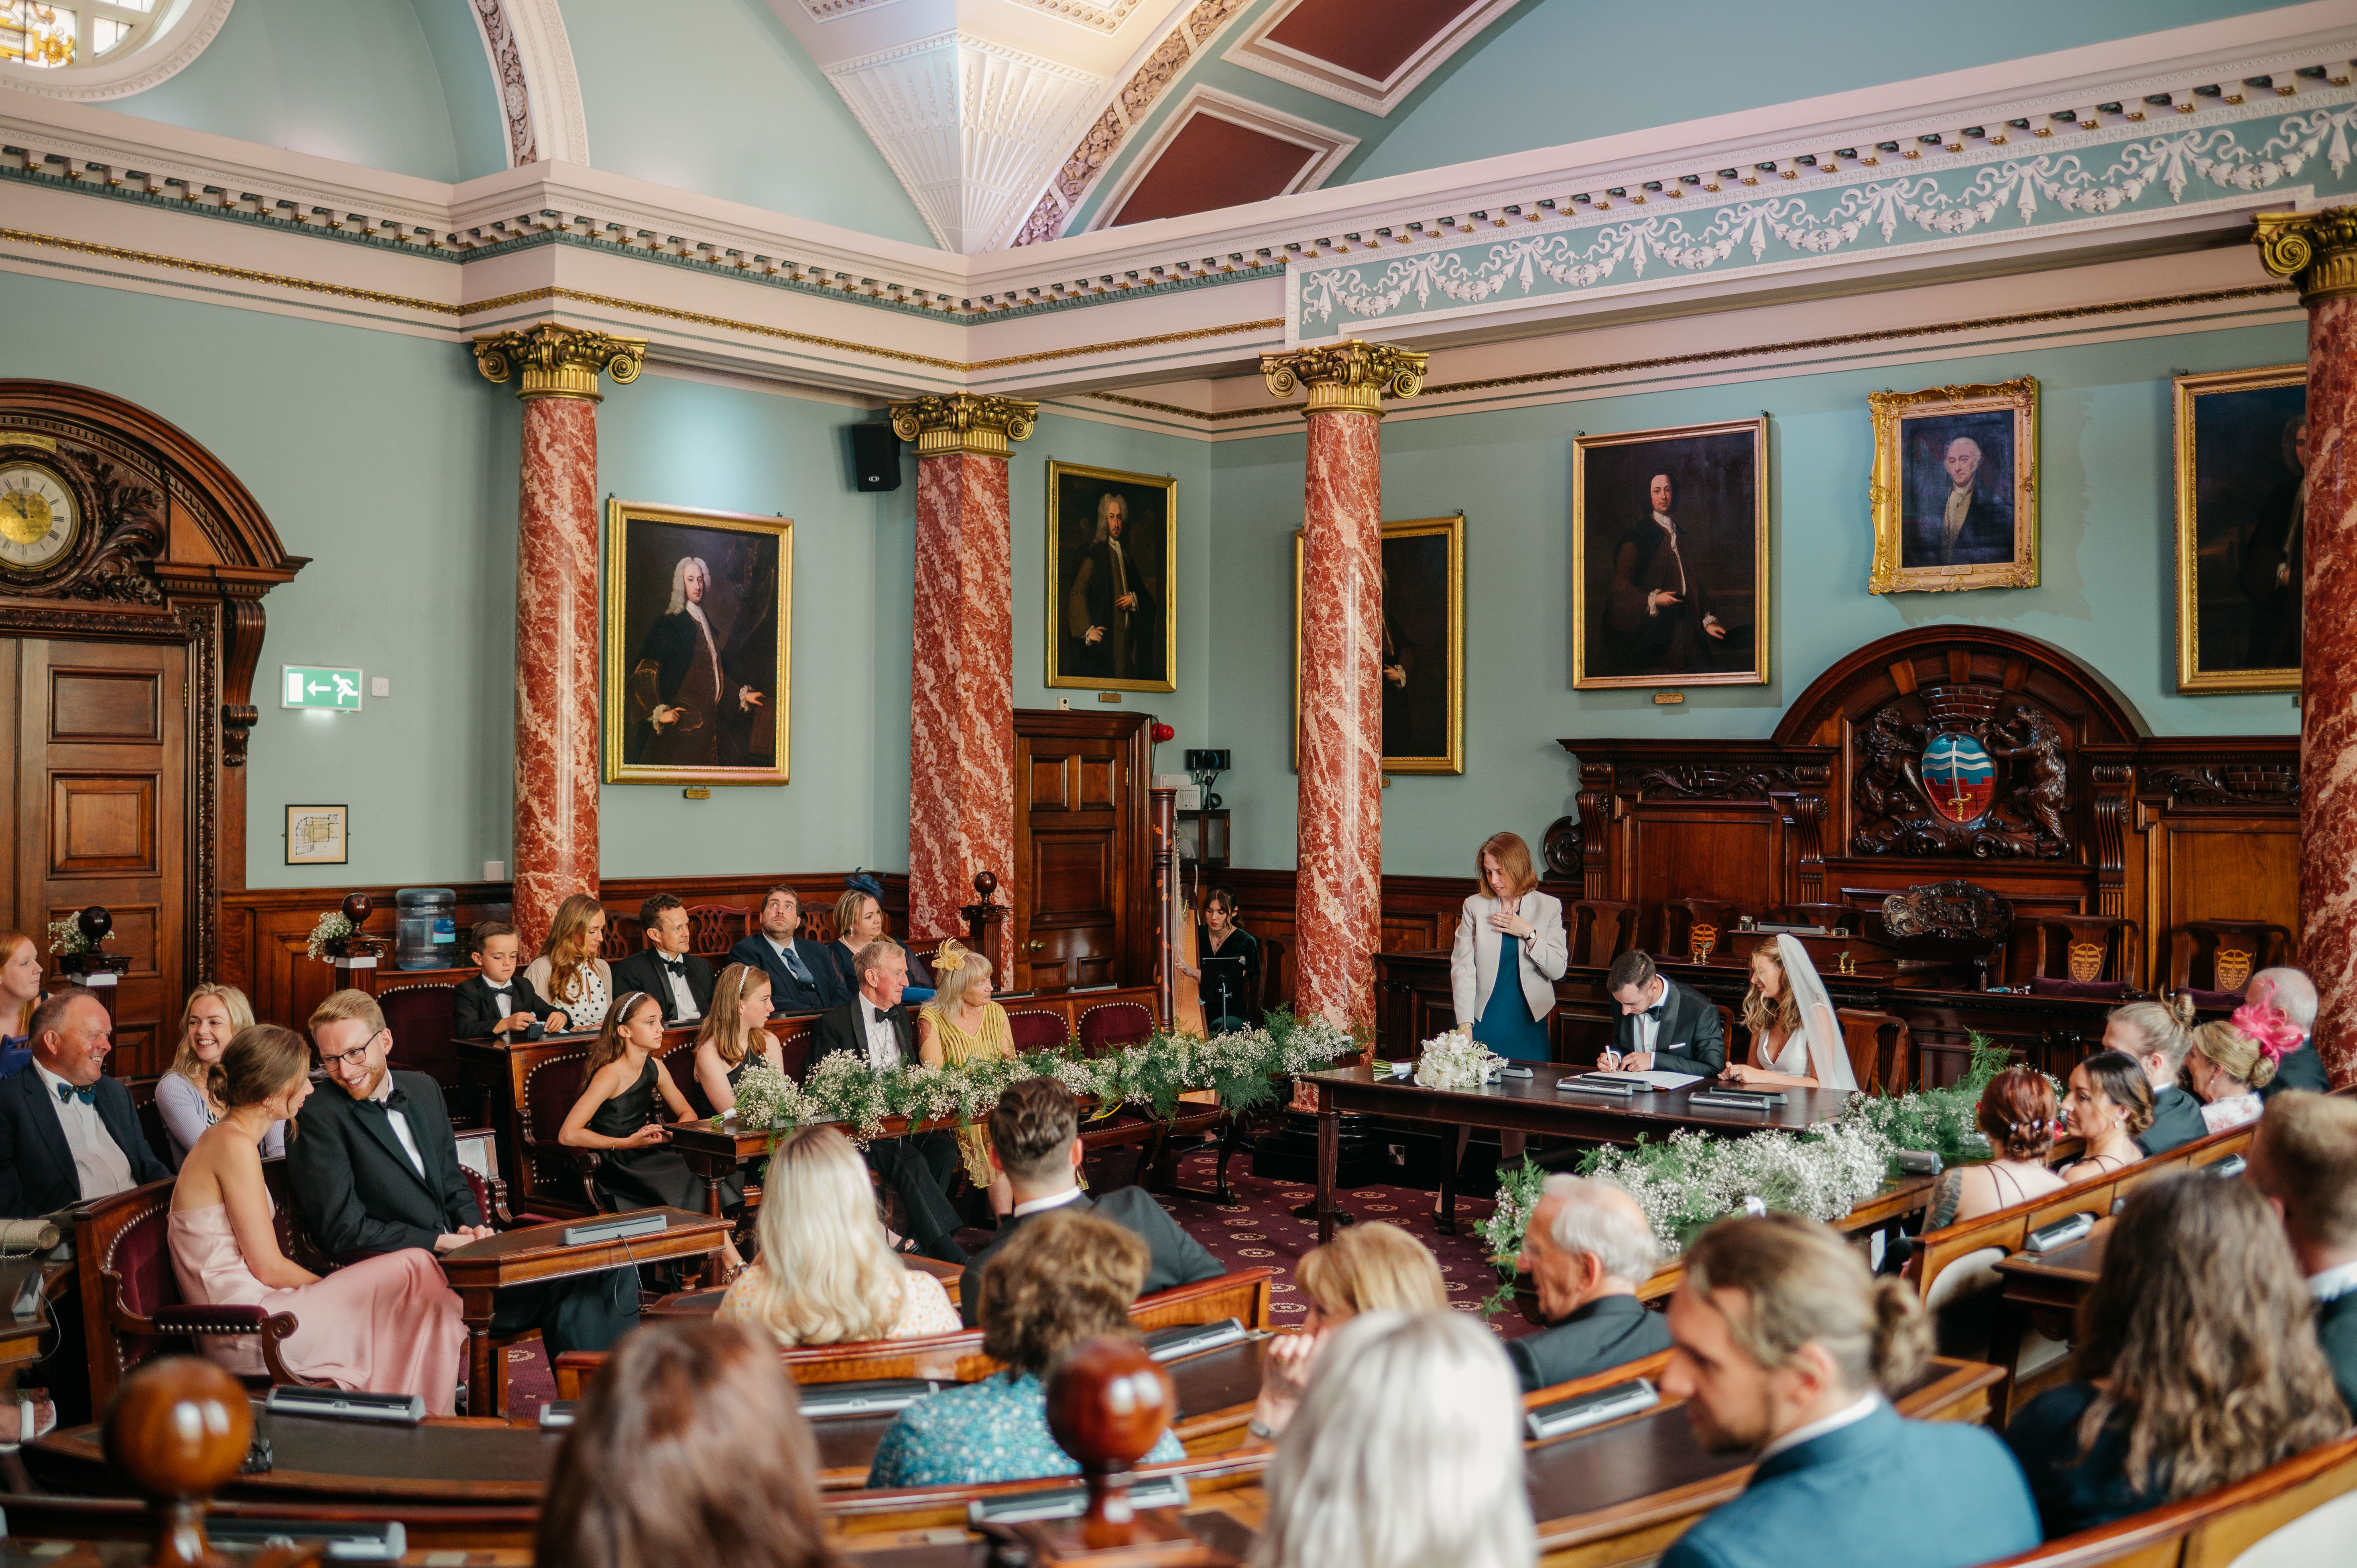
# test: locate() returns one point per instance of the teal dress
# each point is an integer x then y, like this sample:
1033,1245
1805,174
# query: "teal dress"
994,1430
1506,1025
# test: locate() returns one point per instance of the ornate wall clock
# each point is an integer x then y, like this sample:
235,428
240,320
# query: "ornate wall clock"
40,517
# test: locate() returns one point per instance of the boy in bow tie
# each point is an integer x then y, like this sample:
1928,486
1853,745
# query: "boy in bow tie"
500,1001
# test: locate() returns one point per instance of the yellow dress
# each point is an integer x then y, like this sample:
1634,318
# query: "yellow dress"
993,1039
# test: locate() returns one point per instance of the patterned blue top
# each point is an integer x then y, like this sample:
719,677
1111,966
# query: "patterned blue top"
995,1429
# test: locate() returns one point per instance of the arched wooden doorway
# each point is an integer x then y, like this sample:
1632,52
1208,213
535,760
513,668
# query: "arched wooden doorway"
126,666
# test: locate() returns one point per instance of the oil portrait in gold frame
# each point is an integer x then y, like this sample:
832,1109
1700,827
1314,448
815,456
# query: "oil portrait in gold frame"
2242,500
1956,488
1422,672
1113,612
699,645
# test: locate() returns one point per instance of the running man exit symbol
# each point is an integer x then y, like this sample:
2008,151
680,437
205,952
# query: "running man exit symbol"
332,691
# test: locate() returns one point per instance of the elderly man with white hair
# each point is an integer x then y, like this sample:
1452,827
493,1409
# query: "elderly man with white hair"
2293,995
1588,1247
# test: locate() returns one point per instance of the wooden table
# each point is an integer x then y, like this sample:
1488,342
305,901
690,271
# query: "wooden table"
2059,1278
531,1253
1533,1104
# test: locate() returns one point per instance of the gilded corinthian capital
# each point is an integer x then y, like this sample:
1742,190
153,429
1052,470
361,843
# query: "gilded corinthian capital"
964,422
2316,250
1348,375
558,362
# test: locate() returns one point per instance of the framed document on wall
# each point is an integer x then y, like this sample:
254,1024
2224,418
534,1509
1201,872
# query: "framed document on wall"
2242,504
699,645
1423,659
319,835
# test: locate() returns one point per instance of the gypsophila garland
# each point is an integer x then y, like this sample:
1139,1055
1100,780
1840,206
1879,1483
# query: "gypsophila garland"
1454,1061
332,928
1241,1068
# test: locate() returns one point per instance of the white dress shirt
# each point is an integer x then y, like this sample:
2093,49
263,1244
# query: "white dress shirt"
1041,1204
100,1166
2334,1283
400,1123
883,1039
1848,1415
502,995
1648,1031
1670,527
683,1009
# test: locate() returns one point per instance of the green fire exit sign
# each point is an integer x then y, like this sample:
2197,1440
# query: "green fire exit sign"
338,691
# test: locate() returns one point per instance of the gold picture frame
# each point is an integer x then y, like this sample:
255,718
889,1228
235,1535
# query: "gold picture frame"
1922,543
688,703
1717,495
1411,548
2235,440
1140,652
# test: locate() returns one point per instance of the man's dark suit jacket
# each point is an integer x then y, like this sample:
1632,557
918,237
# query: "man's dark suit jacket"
473,1014
1179,1258
1986,538
36,1164
2336,1330
642,971
2176,1119
1690,1038
358,1191
2302,1069
788,994
844,1028
1606,1332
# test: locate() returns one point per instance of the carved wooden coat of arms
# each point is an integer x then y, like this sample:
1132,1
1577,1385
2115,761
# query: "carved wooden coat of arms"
1981,772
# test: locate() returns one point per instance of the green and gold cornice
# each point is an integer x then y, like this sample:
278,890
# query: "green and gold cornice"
552,360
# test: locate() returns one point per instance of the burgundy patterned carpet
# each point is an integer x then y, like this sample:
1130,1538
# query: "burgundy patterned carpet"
1258,1232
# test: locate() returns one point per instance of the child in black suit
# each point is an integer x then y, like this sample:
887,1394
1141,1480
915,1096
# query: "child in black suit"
500,1001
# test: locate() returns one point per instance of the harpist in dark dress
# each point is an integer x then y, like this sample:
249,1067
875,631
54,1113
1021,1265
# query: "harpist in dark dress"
1229,987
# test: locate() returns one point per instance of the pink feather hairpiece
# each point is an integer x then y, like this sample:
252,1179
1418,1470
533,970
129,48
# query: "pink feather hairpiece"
2263,1022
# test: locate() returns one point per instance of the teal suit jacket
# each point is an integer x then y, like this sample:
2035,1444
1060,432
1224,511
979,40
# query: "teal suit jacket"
1879,1493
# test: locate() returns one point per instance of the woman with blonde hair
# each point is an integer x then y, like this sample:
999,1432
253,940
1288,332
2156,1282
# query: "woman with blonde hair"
2228,1067
568,970
1796,1040
960,1025
858,920
184,1095
732,1040
2156,1035
20,993
825,1274
1370,1268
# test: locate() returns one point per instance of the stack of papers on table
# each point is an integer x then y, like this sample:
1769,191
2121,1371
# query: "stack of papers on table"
1654,1080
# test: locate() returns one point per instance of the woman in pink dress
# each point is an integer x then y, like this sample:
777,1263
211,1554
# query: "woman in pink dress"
387,1325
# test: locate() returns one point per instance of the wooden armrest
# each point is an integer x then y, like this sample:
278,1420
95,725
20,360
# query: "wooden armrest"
210,1319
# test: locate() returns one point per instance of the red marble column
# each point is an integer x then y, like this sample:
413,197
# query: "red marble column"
2319,250
961,664
556,734
1338,915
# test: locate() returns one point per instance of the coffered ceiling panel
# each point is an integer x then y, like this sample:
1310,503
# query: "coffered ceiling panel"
1369,54
1224,155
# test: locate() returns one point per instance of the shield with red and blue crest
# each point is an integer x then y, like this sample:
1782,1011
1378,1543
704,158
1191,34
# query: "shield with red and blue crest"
1959,776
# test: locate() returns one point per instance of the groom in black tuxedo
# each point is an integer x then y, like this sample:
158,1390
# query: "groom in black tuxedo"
375,1169
1664,1027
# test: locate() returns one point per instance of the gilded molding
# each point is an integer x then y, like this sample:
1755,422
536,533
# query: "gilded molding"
964,422
1350,377
552,360
2318,250
241,275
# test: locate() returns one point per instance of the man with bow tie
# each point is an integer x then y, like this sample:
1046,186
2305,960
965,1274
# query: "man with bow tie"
680,982
375,1169
68,1131
1664,1027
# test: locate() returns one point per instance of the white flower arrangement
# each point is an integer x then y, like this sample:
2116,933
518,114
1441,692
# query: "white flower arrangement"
1454,1061
66,938
332,928
1692,1178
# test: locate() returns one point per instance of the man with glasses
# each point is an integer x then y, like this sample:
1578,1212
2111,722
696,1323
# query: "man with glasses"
376,1169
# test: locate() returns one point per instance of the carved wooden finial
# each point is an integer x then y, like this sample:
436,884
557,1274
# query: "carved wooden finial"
178,1430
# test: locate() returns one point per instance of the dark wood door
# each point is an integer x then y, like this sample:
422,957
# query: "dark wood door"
1081,891
100,815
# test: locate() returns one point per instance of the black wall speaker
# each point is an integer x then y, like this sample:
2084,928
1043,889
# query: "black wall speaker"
875,457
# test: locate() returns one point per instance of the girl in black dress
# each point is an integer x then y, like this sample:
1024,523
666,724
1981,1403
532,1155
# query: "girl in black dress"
616,1115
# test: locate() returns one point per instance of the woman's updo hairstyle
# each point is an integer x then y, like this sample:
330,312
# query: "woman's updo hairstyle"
2234,1052
956,970
259,1061
2017,1112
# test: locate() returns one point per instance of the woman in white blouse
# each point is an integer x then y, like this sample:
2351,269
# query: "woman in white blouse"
569,971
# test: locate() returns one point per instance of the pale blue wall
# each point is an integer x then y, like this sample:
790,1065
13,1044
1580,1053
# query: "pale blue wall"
402,85
716,96
2106,593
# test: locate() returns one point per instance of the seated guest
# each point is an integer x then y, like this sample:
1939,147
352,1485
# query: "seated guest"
616,1114
67,1132
499,1001
1035,1138
679,980
1783,1348
960,1025
732,1040
1370,1268
802,979
387,1325
1067,1278
2156,1035
1407,1453
184,1096
375,1169
1226,970
1663,1026
825,1274
2227,1069
2197,1364
2109,1103
858,920
2304,1159
1589,1247
689,1449
874,1026
568,970
1796,1041
2291,997
20,993
2017,1114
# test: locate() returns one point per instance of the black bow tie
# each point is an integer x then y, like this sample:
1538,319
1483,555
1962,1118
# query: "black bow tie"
87,1093
1655,1011
397,1100
676,966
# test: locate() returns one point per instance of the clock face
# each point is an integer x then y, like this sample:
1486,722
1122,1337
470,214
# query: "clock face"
38,518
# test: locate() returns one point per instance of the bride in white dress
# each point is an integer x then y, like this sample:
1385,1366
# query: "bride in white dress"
1796,1039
